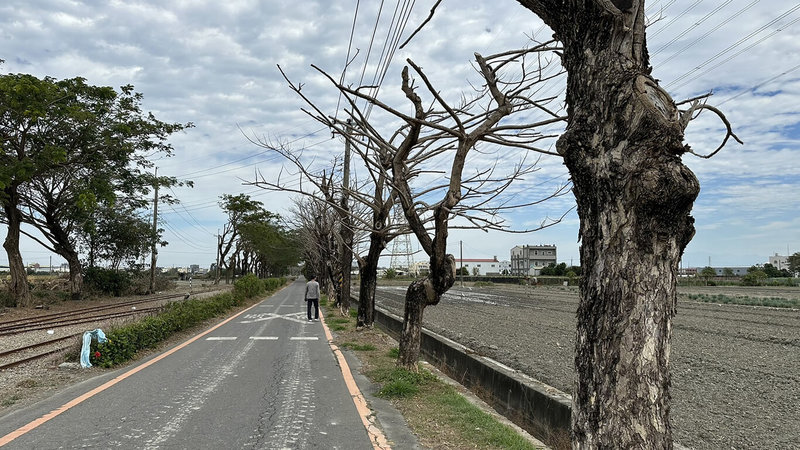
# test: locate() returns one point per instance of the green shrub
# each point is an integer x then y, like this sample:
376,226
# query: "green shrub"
124,342
248,286
107,281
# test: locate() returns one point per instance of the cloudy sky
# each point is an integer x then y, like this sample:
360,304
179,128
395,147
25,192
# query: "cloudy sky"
214,63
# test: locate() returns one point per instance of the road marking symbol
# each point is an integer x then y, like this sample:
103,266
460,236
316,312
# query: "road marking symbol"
261,317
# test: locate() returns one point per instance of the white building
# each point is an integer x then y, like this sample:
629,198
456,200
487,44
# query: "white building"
779,262
480,266
529,260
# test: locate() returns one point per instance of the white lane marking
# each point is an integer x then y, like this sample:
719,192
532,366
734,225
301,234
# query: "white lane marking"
221,338
303,338
264,338
261,317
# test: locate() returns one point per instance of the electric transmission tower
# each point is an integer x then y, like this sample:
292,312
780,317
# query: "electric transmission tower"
401,246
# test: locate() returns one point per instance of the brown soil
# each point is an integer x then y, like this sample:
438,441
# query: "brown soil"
735,381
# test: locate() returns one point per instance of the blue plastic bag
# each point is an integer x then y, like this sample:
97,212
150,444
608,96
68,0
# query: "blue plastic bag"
87,344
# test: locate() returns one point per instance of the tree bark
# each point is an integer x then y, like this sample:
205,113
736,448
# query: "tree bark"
75,276
622,147
368,280
18,289
420,294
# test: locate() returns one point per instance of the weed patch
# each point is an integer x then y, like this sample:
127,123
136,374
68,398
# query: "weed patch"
359,347
439,415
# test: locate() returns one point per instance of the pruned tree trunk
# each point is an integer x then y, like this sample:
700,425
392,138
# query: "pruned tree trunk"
622,147
368,281
420,294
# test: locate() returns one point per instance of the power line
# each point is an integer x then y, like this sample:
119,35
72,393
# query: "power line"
763,83
347,58
734,55
692,27
709,32
676,18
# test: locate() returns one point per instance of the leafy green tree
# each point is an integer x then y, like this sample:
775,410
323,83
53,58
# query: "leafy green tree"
708,273
754,278
270,247
116,234
773,272
794,263
66,146
240,209
390,274
728,272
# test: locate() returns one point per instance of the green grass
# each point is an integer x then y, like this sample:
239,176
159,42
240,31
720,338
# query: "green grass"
476,426
10,400
775,302
436,412
359,347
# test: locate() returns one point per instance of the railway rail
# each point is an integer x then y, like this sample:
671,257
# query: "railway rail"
24,354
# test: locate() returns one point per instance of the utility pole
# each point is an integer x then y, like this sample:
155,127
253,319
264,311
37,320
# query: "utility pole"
461,258
219,244
347,226
154,248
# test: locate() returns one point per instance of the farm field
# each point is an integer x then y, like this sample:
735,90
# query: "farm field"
734,368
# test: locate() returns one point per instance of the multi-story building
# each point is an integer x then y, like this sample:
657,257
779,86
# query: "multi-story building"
779,261
531,259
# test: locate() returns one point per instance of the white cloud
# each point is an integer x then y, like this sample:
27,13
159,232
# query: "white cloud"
214,63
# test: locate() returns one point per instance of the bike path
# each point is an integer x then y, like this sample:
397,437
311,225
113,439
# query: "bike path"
265,379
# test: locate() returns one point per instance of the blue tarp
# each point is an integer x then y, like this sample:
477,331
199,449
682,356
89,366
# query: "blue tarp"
87,344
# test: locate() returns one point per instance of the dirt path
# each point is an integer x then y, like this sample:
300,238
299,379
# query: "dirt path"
735,368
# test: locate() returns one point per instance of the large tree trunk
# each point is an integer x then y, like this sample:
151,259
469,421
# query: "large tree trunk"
368,280
622,147
421,293
65,248
18,289
75,275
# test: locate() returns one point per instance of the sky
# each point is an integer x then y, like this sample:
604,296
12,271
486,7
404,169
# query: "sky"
215,64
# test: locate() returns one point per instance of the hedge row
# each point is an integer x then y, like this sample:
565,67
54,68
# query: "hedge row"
124,342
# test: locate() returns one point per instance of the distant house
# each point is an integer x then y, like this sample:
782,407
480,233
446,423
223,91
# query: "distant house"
529,260
780,262
484,266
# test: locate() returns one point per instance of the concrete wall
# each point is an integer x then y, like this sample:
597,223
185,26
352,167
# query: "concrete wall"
540,409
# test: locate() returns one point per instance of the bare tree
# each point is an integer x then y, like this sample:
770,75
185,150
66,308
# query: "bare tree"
449,133
366,215
623,147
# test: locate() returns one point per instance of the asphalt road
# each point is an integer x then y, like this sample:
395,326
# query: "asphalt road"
266,379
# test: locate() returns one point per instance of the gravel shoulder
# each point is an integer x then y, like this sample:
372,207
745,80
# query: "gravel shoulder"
735,381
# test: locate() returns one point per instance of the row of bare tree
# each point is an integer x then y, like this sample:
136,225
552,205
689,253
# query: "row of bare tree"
622,146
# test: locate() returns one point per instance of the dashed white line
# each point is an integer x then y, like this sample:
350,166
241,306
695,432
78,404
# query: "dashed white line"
221,338
264,338
303,338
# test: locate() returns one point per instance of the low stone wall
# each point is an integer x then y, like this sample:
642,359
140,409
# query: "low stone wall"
541,410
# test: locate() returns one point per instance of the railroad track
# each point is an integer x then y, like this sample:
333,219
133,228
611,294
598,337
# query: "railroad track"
34,357
57,317
65,319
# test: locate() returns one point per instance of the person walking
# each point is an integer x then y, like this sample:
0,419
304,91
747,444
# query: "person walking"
312,297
